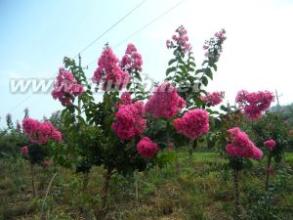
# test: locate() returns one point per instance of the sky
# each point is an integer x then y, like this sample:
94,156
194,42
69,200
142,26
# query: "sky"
36,35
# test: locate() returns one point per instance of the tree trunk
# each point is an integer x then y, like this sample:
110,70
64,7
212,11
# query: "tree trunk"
237,194
268,172
105,190
33,180
85,182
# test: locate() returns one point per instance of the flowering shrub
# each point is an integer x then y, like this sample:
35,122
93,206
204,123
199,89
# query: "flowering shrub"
255,103
40,134
66,88
182,68
239,148
271,126
121,133
191,81
271,145
104,133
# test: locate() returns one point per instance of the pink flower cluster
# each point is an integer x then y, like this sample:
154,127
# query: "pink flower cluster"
24,151
179,39
125,98
270,144
193,124
129,120
147,148
40,132
255,103
165,102
214,98
66,88
109,71
213,47
132,60
220,35
241,145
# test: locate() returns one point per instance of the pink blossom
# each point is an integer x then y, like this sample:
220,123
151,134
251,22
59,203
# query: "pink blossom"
147,148
129,121
40,132
257,153
179,39
66,88
241,145
213,46
214,98
270,144
165,102
126,98
24,151
56,135
255,103
193,124
30,125
109,72
221,35
132,60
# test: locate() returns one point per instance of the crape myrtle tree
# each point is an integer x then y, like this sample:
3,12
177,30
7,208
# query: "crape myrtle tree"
191,81
127,129
41,136
248,115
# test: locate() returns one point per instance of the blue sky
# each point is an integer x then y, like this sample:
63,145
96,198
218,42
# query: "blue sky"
36,35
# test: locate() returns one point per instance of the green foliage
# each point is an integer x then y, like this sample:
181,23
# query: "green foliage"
200,190
271,125
11,140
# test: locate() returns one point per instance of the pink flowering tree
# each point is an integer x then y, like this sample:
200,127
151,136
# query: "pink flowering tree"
270,144
240,150
271,132
41,136
191,81
108,133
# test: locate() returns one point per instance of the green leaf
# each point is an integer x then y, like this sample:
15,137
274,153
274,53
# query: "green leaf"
209,73
172,61
215,67
183,69
204,80
199,71
170,70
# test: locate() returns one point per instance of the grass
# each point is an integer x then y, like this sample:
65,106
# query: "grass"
197,187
